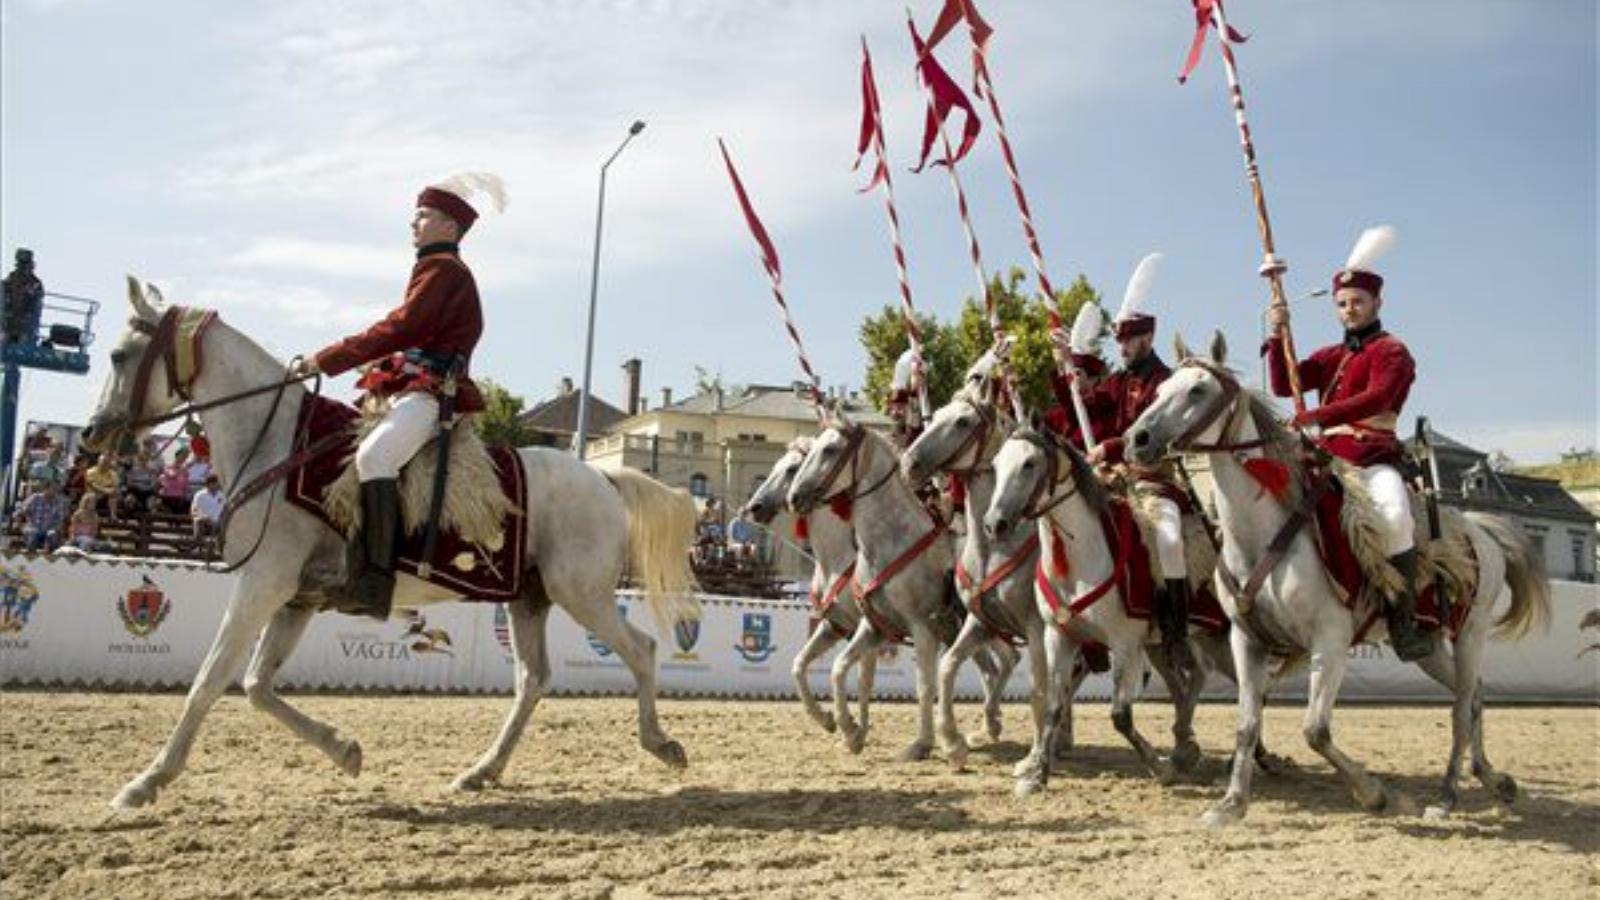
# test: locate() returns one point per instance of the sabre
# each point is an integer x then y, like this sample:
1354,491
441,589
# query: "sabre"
1430,496
1209,13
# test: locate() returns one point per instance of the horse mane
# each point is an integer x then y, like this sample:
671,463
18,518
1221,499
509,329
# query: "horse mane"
1083,475
1282,446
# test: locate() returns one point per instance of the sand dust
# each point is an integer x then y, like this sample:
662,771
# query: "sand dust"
770,807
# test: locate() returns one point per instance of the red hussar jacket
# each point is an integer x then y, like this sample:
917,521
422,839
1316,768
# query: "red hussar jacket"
1062,418
1361,383
1125,394
440,316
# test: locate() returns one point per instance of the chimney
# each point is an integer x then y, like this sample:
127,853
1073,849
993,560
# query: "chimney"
630,385
666,397
565,387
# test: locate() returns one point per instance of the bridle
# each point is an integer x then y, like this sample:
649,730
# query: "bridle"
975,440
852,455
1044,490
1227,404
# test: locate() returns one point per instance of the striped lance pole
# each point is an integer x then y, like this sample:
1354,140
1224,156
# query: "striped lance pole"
1208,14
908,310
769,261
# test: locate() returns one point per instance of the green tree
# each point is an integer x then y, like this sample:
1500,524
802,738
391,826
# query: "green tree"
500,423
952,348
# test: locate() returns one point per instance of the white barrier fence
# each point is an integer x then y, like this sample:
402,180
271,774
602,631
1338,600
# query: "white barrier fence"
139,624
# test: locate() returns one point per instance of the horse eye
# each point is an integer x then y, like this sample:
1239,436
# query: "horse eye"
794,468
1028,466
964,422
117,357
1196,391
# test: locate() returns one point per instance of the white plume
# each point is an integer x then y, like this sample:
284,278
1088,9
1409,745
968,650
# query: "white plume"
905,372
1087,328
466,184
1133,299
1373,243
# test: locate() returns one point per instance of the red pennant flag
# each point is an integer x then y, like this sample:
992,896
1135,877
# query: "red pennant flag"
946,96
1202,24
871,122
769,255
957,11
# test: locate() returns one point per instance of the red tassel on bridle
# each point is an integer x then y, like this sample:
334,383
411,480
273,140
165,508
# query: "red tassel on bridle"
841,506
1273,476
958,492
802,528
1058,551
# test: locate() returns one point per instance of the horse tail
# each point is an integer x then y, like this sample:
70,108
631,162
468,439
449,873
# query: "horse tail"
661,525
1525,574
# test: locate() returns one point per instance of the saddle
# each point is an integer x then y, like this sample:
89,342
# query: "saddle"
483,529
1349,542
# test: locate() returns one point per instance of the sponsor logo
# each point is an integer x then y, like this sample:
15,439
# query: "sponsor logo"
419,638
18,594
600,648
687,633
502,627
143,609
755,644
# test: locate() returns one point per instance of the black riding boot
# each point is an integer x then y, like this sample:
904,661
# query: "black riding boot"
1173,618
1409,643
372,582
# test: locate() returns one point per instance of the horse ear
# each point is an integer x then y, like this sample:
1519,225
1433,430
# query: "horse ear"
1219,348
1179,348
136,299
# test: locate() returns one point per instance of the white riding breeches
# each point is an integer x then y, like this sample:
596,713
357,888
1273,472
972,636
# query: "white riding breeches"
1169,537
1392,502
411,421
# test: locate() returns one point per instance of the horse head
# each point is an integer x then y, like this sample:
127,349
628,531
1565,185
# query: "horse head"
829,468
959,437
1034,472
771,496
1192,407
136,389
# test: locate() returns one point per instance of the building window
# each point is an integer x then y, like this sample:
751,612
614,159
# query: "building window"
699,485
1579,543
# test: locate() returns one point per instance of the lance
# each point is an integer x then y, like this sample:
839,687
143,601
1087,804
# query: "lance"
991,309
872,131
769,261
1209,14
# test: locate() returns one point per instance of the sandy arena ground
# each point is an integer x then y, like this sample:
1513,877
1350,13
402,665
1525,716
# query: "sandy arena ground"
769,808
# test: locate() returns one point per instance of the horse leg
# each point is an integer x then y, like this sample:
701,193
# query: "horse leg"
288,625
1127,667
1038,697
638,651
1441,668
1065,740
532,673
1185,694
1328,660
1250,665
1005,657
864,641
1060,654
821,639
972,637
254,600
1469,658
927,648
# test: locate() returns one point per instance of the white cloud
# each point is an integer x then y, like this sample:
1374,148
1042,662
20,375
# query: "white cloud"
294,305
300,254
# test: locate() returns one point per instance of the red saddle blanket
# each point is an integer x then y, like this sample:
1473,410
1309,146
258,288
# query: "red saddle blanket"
459,566
1345,568
1137,582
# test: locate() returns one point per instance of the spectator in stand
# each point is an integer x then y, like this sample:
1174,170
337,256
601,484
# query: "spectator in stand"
77,485
139,483
104,482
206,509
83,531
199,463
50,468
43,516
174,484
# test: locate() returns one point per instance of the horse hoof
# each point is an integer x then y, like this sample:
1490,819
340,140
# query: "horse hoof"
134,795
470,781
957,755
1027,786
1273,764
1029,763
1376,803
349,761
917,751
1505,789
1186,756
1166,775
855,740
1221,816
672,754
827,723
992,724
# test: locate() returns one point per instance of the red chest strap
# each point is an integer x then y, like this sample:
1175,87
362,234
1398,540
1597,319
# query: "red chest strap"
1064,611
975,598
864,594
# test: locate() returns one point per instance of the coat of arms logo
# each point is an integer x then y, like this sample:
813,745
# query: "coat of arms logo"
143,608
687,633
18,594
755,644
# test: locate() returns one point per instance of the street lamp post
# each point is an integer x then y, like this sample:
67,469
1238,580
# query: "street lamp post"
581,439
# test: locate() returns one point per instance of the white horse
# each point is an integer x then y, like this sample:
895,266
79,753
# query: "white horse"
961,441
833,541
903,571
1297,610
584,528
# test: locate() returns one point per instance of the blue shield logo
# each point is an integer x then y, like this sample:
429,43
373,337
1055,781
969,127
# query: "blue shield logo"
755,644
600,648
687,633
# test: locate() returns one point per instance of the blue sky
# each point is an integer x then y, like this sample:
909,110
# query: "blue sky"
262,159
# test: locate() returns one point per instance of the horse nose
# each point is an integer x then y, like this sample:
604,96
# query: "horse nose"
87,434
1141,438
997,526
